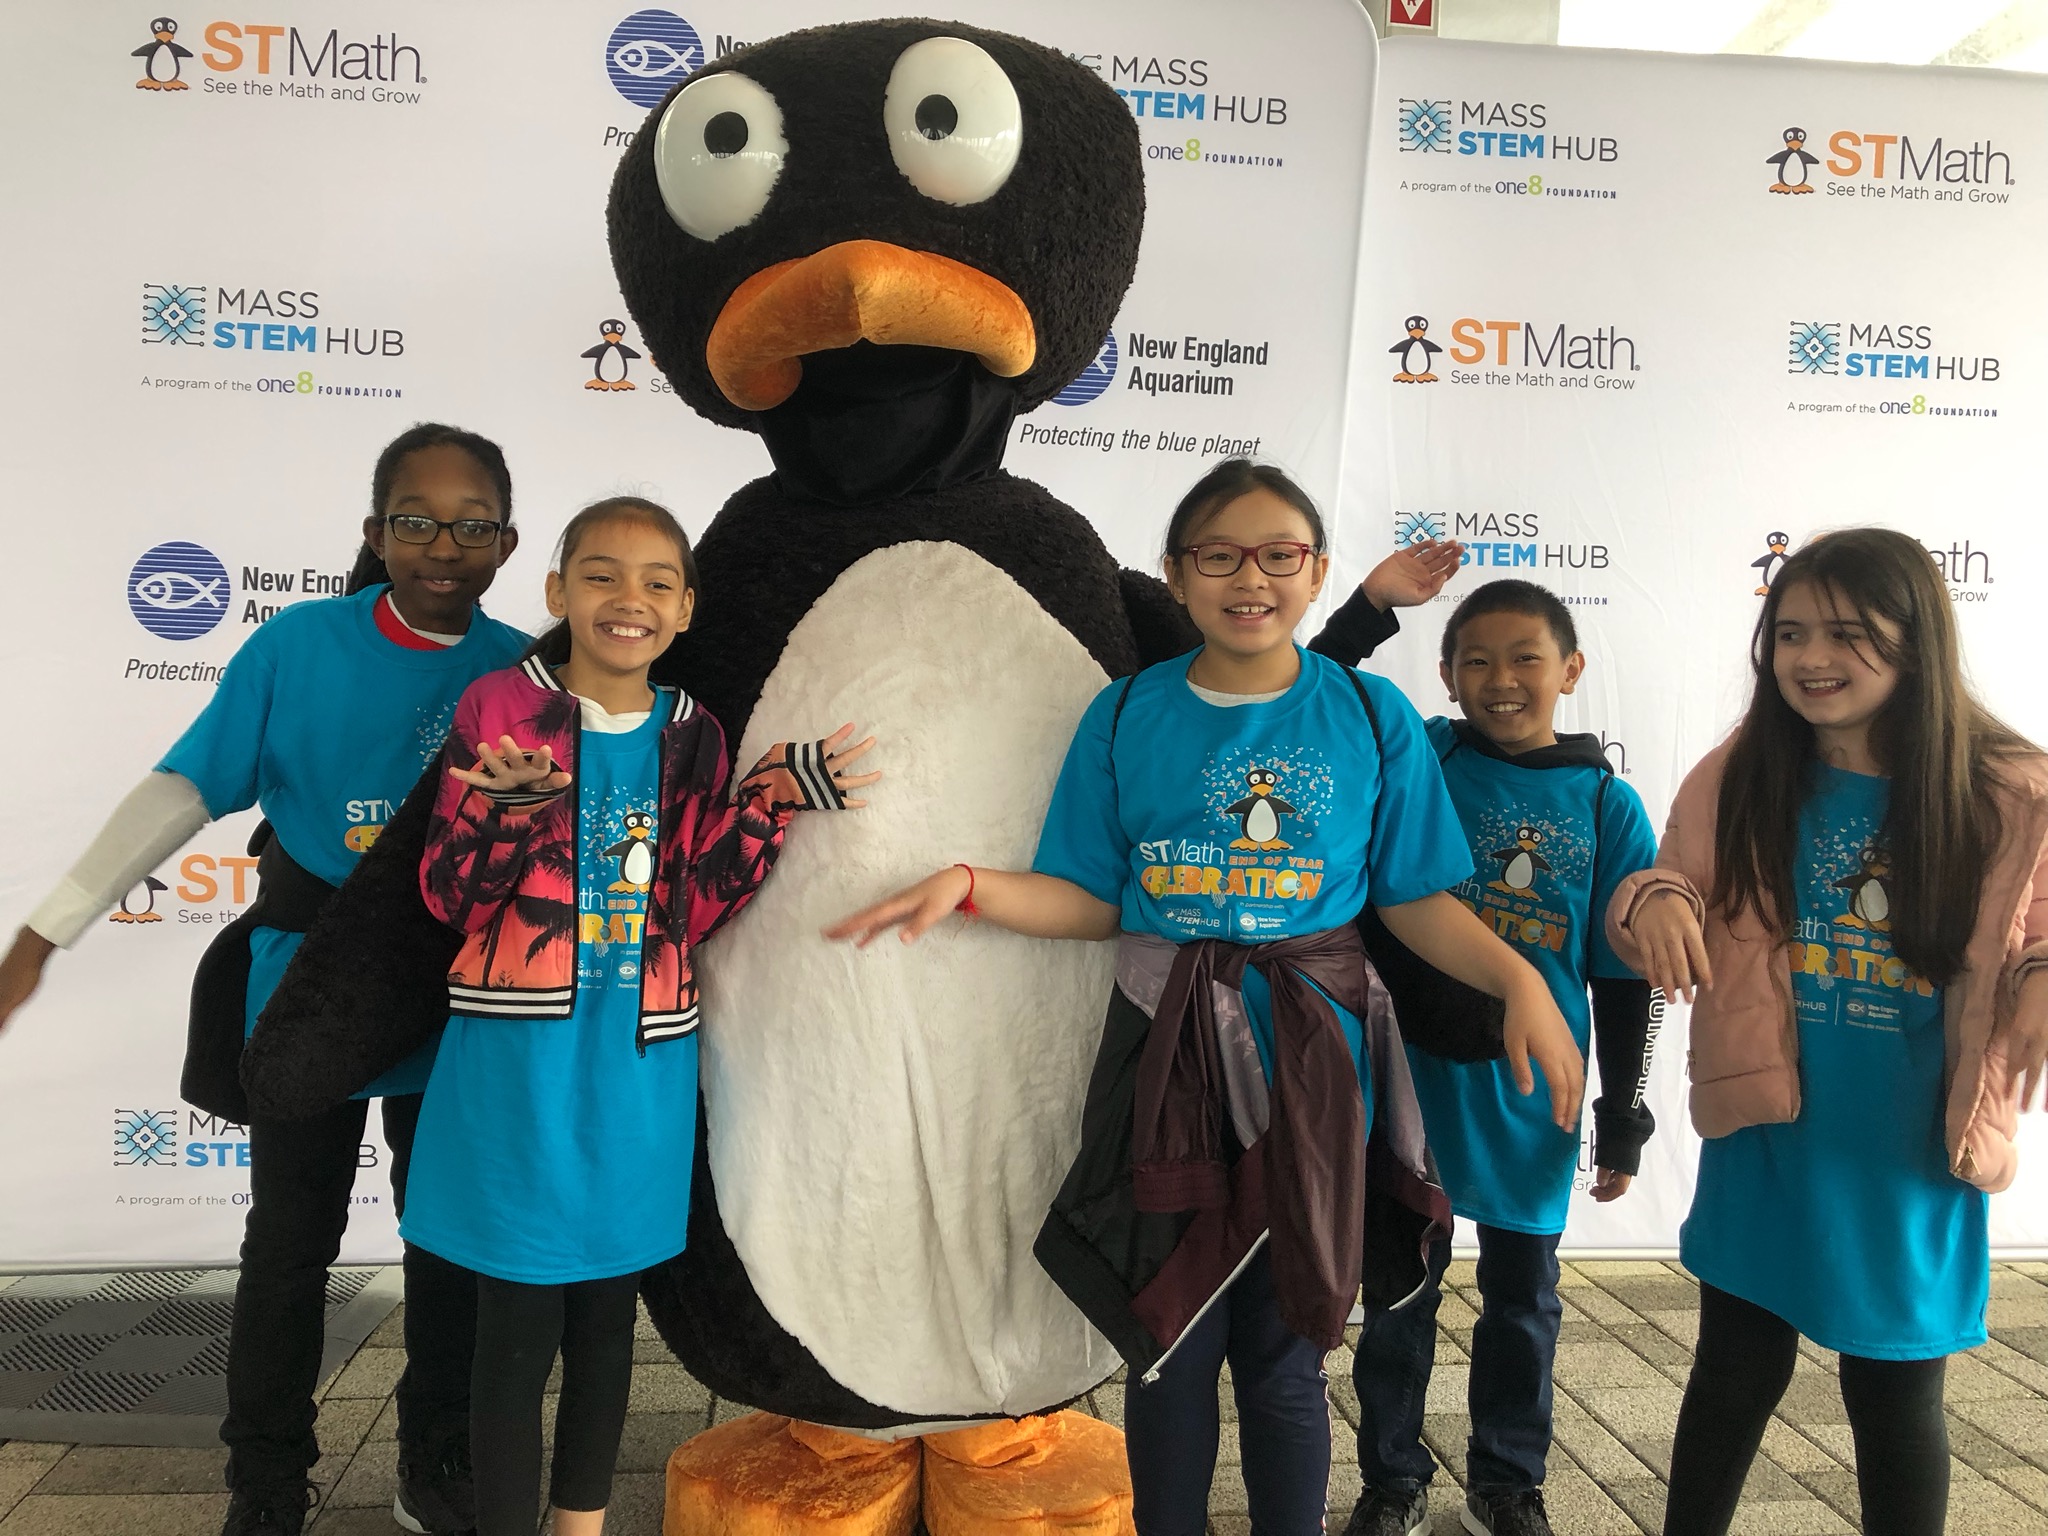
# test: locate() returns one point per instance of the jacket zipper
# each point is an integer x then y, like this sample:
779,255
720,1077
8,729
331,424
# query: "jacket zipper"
1242,1264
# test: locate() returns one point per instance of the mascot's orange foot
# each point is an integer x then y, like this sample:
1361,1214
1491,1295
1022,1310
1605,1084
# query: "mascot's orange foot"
765,1475
1060,1475
595,384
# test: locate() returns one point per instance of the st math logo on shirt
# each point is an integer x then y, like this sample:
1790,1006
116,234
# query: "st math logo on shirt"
178,591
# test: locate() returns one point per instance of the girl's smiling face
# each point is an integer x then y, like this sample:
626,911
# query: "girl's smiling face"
623,593
436,585
1827,663
1250,612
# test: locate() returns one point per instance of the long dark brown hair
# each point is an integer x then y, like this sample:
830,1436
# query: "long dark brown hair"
1940,747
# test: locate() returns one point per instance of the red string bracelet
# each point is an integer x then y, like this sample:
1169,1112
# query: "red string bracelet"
967,902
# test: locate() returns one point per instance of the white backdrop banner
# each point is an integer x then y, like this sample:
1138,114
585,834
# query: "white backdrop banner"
1661,351
244,268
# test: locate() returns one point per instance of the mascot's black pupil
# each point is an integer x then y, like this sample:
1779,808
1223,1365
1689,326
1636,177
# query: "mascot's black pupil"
726,134
937,117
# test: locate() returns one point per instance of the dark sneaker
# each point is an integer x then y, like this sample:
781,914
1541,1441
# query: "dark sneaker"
436,1492
1381,1512
1507,1514
268,1509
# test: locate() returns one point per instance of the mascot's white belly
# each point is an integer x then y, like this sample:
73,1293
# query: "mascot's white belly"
888,1126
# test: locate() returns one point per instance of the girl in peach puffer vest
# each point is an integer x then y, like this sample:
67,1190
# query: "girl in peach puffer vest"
1856,883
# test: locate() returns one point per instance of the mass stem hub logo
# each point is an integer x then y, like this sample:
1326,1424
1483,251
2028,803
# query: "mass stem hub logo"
1879,350
1891,165
1500,541
257,319
1493,130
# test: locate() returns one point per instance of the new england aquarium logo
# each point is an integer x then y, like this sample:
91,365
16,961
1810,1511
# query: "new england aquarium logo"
145,1138
178,591
174,314
649,52
1424,126
1093,379
1816,347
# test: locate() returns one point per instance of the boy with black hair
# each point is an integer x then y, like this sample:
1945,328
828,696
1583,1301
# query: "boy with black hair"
1553,832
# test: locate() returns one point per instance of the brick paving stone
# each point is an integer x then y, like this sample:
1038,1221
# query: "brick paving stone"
175,1514
1643,1498
1447,1387
1600,1306
1632,1412
371,1481
1681,1324
2020,1423
651,1438
372,1373
1579,1505
389,1334
1813,1400
133,1469
1652,1343
1835,1487
2030,1340
1790,1449
1800,1517
1971,1378
1985,1452
2014,1280
1604,1365
1581,1437
1600,1271
2029,1484
2002,1357
2005,1313
668,1388
1977,1508
1667,1293
351,1522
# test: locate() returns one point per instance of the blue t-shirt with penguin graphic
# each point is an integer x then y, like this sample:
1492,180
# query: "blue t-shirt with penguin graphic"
327,725
551,1150
1251,822
1846,1222
1545,871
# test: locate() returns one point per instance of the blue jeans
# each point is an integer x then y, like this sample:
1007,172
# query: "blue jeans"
1283,1419
1513,1347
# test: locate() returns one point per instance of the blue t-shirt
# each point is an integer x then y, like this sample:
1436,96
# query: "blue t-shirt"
1545,874
327,725
551,1150
1251,822
1847,1222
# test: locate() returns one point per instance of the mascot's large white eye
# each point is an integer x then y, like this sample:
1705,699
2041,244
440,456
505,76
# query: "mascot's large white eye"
718,153
953,121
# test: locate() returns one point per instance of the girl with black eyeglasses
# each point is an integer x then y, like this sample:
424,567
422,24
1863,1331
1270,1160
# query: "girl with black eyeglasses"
330,709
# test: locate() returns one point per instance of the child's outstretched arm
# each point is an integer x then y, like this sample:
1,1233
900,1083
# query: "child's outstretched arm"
734,845
1037,906
1410,576
1446,933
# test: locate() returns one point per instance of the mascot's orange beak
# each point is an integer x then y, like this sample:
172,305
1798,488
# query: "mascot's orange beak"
860,290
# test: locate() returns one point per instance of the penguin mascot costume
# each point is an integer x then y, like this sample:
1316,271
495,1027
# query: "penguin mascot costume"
874,244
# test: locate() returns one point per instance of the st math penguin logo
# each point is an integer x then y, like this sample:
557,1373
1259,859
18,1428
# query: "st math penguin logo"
1792,162
1768,564
1416,352
1095,378
649,53
139,905
178,591
610,358
161,58
1258,814
1519,861
1870,902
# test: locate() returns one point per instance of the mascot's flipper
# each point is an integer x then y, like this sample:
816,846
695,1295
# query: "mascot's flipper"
368,987
1161,625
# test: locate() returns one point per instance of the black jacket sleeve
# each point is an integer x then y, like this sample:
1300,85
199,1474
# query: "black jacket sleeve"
1627,1015
1355,631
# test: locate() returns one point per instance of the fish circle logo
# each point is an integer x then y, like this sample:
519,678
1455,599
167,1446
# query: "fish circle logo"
178,591
1093,379
649,52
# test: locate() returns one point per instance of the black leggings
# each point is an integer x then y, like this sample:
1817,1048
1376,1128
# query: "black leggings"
1741,1369
519,1329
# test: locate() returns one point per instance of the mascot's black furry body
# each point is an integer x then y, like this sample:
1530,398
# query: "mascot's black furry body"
881,1130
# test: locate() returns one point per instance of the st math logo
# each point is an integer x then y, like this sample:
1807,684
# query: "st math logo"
163,58
174,314
649,53
1423,126
178,591
1095,378
611,359
145,1138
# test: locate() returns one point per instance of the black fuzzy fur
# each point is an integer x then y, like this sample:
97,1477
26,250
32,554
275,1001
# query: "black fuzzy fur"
1062,232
